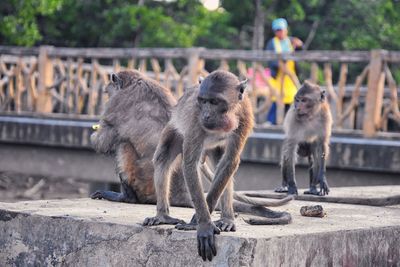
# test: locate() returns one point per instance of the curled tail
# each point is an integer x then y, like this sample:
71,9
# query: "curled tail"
262,202
266,216
208,174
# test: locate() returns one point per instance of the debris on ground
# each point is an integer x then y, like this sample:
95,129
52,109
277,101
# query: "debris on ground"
312,211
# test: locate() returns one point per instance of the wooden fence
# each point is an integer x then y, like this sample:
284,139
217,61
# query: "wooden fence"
50,80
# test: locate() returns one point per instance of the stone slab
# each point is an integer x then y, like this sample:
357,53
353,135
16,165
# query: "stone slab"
85,232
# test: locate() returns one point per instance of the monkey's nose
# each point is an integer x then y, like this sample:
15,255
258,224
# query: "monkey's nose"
206,117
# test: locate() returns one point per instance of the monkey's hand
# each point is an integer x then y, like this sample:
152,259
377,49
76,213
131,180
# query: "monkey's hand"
226,225
323,186
206,240
161,219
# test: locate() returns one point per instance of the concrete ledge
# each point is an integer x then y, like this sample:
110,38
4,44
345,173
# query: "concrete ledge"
86,232
348,151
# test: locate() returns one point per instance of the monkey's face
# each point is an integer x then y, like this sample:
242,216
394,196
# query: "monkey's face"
308,100
306,106
214,113
219,97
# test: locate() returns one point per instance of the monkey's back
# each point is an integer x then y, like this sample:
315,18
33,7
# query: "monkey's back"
139,111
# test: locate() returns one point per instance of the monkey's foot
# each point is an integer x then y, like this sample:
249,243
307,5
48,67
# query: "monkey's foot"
114,196
312,191
226,225
162,219
97,195
186,226
111,196
206,240
281,189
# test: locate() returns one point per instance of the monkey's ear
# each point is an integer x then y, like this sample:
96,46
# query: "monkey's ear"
323,95
201,79
116,80
241,87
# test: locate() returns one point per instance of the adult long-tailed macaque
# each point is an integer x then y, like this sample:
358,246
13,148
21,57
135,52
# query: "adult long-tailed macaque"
307,127
210,121
130,127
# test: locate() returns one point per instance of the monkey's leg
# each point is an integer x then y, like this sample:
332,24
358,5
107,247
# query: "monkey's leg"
323,183
288,165
303,150
127,194
167,151
226,223
313,183
126,158
319,170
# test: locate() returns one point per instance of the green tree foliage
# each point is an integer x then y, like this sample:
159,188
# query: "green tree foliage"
350,24
18,20
120,23
342,25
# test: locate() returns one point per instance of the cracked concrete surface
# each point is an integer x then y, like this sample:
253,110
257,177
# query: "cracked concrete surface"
85,232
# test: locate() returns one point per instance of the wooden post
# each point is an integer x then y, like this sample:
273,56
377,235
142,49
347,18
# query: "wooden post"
193,65
374,98
314,72
45,80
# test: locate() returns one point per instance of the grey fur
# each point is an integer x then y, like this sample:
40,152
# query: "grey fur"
307,127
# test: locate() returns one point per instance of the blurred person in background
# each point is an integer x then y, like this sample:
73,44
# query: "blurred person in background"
282,43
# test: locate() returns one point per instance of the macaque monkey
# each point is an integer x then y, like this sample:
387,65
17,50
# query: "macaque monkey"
211,121
307,127
130,126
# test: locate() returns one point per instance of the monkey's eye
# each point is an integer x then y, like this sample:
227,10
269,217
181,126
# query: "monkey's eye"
301,99
213,101
201,100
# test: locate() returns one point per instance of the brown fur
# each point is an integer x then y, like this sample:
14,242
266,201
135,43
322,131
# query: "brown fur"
136,113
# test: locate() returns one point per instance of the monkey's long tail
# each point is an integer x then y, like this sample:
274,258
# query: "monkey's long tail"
267,216
262,202
208,174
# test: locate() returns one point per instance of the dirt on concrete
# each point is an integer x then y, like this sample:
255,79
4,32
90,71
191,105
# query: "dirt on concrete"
16,187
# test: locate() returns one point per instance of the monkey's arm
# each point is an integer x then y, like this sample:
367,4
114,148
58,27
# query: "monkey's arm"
104,139
206,229
288,165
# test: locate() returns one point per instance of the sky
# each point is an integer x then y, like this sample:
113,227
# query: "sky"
211,4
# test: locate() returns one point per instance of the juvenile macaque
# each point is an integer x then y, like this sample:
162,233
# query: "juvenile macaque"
211,121
307,127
